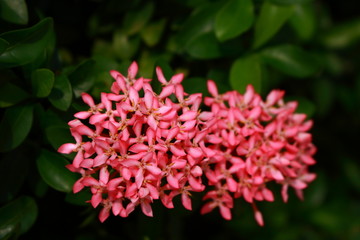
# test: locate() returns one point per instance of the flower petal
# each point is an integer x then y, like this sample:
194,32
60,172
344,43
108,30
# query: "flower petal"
146,208
225,212
67,148
186,201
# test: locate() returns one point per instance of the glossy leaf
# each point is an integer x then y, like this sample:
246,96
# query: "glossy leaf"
10,94
292,60
135,20
271,18
199,22
244,71
51,167
233,19
17,216
205,46
58,135
103,79
124,46
61,94
303,20
15,126
46,58
82,78
343,35
3,45
14,11
48,118
42,81
26,45
152,33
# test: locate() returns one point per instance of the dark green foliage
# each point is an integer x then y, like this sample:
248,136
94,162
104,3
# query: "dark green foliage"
52,51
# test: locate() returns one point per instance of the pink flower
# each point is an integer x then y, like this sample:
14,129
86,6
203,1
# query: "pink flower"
137,146
255,143
152,146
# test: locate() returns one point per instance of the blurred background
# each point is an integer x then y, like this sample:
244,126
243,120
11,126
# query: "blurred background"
52,51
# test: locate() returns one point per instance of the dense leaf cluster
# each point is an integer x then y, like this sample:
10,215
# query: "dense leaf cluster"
52,51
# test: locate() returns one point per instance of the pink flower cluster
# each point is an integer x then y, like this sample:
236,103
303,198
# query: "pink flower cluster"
137,146
254,143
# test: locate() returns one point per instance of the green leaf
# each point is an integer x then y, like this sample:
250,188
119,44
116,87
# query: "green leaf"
42,81
204,46
14,11
82,78
15,126
125,47
10,94
152,33
233,19
17,216
26,45
46,58
199,22
61,94
244,71
303,20
3,45
291,60
52,169
103,79
58,135
195,85
48,118
135,20
343,35
272,17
